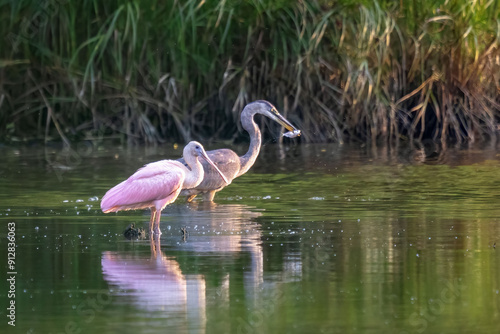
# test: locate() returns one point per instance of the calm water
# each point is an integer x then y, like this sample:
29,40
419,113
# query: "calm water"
316,239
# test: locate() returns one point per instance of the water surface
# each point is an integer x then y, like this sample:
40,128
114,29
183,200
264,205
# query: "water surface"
315,238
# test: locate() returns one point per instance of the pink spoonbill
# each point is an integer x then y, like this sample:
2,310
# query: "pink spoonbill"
158,184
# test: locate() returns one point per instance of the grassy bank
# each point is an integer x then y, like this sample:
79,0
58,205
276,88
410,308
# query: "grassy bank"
152,71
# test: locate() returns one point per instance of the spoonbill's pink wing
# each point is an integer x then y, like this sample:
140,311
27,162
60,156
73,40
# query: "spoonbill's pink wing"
152,185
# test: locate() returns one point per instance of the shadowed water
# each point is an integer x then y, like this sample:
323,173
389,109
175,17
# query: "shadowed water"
315,238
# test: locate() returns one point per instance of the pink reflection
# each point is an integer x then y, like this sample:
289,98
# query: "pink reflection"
158,285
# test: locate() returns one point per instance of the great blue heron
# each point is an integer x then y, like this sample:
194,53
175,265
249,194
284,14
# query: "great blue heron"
228,162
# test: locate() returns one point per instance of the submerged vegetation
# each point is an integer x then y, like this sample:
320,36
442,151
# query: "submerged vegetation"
152,71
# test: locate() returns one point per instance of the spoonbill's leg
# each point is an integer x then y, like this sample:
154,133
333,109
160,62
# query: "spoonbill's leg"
152,221
157,223
190,198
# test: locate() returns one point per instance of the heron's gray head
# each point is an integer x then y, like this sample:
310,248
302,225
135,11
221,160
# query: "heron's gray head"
267,109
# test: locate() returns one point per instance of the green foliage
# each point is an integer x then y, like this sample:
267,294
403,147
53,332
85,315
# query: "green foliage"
176,70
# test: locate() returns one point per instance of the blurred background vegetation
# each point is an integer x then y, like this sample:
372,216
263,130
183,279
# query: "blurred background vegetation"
164,70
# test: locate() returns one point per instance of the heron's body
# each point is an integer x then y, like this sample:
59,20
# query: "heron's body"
227,161
157,184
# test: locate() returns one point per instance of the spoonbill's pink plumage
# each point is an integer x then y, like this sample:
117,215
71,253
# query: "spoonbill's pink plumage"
158,184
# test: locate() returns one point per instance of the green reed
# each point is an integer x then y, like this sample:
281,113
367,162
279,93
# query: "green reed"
153,71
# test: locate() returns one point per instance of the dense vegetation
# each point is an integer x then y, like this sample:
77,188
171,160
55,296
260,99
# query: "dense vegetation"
154,70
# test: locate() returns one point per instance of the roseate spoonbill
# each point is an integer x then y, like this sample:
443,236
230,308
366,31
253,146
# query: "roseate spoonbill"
158,184
228,161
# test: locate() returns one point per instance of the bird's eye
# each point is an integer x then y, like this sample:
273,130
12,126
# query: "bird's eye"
197,147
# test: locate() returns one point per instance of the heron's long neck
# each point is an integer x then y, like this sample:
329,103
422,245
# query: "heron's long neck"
247,160
195,175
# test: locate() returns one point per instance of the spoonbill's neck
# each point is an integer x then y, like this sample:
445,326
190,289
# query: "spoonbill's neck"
195,175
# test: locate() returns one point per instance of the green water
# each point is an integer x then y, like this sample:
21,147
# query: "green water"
316,239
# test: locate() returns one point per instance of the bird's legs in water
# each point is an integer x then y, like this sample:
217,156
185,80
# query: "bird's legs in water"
209,195
190,198
154,222
157,223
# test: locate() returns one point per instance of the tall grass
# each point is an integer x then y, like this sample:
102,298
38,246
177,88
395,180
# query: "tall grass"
151,71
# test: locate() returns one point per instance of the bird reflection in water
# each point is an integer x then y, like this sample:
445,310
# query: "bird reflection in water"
223,240
156,282
158,286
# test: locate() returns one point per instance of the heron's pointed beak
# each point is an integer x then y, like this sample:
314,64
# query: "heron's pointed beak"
205,156
283,121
